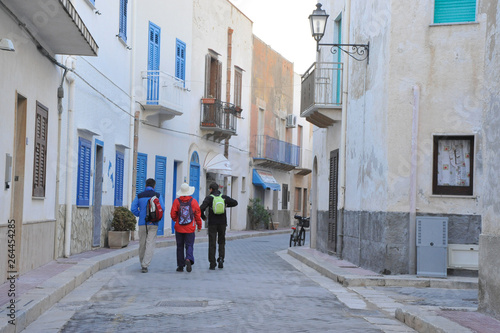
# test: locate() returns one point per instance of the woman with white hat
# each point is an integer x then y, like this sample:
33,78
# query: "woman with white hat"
187,216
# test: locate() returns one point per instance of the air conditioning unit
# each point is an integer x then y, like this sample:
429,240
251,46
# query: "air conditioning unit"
291,121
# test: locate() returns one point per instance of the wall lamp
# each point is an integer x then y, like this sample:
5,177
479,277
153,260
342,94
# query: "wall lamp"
318,20
6,45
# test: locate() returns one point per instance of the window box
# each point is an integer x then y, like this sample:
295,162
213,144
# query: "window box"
208,100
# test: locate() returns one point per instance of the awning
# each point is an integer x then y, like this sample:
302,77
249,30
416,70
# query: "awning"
217,163
265,179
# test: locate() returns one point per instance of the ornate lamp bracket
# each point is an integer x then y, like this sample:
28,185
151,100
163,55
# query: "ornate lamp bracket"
358,52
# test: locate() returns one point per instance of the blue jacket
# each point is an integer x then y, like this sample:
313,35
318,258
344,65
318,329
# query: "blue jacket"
141,202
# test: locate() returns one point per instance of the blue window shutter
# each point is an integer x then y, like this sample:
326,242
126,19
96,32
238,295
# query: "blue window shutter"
454,11
153,63
123,20
83,182
180,60
119,167
142,163
161,174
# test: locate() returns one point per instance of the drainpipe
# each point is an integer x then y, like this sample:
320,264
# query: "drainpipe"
70,63
343,137
228,80
413,182
60,95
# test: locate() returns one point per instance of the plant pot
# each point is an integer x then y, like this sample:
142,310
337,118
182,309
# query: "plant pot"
118,239
208,100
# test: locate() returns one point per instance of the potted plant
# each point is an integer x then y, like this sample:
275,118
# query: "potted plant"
258,216
123,223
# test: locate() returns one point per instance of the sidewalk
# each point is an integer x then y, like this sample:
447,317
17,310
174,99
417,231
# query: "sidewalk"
424,318
41,288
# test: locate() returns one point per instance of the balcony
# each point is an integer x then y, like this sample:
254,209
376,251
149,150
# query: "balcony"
305,162
219,118
321,99
56,24
273,153
164,95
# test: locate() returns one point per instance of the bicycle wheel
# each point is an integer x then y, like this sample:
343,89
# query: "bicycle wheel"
302,237
291,240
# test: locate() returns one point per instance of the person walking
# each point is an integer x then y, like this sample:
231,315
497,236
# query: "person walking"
217,223
187,216
147,229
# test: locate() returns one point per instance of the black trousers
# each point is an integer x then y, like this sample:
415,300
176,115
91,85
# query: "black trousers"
216,234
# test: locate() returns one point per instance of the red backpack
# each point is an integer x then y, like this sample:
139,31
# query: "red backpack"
154,212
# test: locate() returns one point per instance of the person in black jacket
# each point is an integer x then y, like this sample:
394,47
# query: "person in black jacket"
216,225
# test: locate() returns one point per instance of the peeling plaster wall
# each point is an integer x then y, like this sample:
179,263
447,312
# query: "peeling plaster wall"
489,261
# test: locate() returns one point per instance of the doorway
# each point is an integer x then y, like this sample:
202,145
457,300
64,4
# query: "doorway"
98,179
19,160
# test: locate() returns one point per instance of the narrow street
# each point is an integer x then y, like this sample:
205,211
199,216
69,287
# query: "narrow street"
260,289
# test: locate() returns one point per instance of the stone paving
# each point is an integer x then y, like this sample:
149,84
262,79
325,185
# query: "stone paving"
260,289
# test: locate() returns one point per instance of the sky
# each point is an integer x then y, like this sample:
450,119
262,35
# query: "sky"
284,26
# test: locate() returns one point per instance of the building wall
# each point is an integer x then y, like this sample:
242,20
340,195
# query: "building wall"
489,281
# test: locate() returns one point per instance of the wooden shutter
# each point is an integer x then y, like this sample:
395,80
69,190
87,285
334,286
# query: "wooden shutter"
219,81
123,20
119,174
140,182
454,11
161,174
333,195
208,64
40,158
83,183
238,78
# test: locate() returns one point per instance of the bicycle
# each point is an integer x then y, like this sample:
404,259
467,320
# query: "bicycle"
298,237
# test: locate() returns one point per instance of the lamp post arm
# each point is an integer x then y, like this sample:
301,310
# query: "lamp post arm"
358,52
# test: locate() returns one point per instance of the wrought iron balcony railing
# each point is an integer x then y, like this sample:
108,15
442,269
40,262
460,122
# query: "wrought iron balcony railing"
276,150
218,116
322,86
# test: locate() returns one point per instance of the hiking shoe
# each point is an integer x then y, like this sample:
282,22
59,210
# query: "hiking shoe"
188,265
144,270
221,262
180,269
212,266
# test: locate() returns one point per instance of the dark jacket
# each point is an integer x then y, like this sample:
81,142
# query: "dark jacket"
214,219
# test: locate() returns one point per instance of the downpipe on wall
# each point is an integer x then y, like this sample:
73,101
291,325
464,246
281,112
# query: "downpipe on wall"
70,63
413,182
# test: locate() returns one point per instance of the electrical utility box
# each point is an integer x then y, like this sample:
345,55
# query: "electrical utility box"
432,246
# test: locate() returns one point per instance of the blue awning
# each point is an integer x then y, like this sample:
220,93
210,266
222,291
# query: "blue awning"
265,179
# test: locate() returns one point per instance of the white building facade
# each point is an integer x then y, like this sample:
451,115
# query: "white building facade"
384,138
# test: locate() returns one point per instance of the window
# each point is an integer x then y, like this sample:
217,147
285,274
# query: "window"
180,60
40,158
238,79
298,199
123,20
333,184
454,11
142,163
213,76
83,183
453,165
119,167
284,197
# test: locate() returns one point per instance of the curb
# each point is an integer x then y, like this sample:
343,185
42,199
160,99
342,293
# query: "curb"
427,321
36,301
348,280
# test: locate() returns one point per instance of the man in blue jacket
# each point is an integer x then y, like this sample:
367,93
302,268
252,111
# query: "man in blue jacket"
147,231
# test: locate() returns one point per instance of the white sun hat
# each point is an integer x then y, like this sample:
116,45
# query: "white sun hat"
185,190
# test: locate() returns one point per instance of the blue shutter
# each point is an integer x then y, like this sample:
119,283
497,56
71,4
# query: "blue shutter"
142,163
180,60
454,11
83,182
119,167
123,20
161,177
153,64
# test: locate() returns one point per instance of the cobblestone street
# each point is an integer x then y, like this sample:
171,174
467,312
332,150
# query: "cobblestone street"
260,289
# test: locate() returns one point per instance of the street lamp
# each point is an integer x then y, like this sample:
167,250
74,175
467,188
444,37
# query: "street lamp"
318,20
